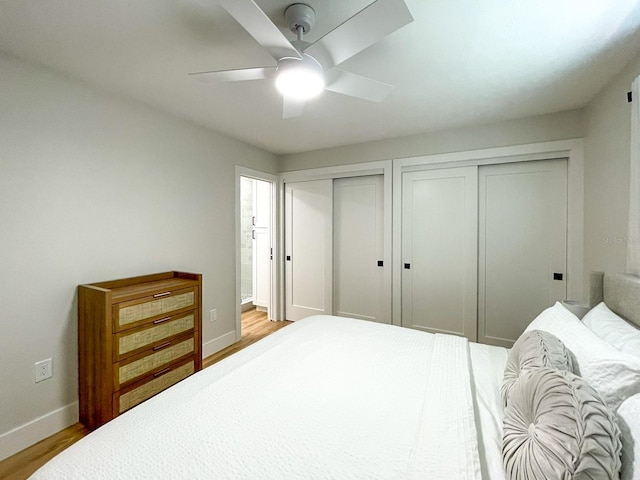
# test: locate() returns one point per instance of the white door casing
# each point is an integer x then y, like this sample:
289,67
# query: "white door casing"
522,244
439,250
276,304
308,248
358,265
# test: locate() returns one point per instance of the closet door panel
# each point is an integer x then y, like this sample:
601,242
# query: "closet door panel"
439,251
523,243
308,248
358,246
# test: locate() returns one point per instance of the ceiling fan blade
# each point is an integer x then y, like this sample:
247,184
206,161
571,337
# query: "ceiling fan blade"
238,75
292,107
354,85
248,14
365,28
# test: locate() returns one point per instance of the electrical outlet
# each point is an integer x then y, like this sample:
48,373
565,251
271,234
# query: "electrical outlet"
43,370
213,315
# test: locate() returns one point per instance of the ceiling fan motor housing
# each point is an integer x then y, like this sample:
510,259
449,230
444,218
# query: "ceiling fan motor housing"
300,15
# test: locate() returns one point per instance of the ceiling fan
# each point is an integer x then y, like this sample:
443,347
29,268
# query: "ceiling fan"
304,70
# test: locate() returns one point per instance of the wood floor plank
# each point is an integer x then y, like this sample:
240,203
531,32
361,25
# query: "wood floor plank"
23,464
255,326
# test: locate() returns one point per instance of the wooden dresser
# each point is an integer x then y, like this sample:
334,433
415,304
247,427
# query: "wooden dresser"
136,337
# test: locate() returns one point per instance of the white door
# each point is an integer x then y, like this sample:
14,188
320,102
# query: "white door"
358,267
262,253
308,248
439,250
522,245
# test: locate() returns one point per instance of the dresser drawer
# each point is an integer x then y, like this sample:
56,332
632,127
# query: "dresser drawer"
147,309
152,361
130,342
137,393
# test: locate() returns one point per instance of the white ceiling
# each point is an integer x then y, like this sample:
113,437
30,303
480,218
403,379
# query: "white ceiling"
461,62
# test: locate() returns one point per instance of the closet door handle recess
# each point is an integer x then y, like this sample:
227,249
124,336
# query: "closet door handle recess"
288,258
380,263
407,266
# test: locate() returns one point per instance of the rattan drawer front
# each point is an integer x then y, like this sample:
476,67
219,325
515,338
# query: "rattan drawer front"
144,365
143,338
149,389
173,301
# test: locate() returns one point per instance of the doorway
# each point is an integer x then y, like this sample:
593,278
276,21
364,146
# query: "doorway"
255,244
256,268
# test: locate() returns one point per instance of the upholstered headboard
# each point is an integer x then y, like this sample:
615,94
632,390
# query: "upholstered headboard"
620,291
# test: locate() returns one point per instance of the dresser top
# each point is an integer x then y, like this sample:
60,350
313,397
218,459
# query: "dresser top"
146,285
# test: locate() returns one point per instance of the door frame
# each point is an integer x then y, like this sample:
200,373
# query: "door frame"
275,307
572,150
384,168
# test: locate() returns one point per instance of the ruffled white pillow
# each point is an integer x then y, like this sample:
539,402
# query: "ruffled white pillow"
613,329
615,375
556,427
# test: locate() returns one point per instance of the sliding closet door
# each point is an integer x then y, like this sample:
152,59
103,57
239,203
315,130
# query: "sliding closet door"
439,250
308,248
523,245
358,268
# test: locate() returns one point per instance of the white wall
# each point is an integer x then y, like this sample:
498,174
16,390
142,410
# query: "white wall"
94,187
543,128
606,170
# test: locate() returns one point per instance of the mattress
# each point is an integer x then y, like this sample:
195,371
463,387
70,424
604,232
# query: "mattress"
326,397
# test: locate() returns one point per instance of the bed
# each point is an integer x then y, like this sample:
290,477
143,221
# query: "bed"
326,397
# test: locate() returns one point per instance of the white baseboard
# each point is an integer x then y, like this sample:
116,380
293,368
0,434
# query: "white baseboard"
217,344
32,432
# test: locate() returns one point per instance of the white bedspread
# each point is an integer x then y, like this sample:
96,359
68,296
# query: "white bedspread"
324,398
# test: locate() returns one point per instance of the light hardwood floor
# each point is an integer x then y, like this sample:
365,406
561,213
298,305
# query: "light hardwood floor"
255,326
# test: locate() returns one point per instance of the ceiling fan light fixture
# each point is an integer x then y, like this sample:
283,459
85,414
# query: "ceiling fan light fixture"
300,79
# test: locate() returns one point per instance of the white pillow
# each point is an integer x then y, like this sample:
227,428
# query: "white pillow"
613,329
629,422
615,375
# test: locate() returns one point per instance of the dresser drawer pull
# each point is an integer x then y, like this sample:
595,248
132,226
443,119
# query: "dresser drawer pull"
163,294
160,347
161,320
161,372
